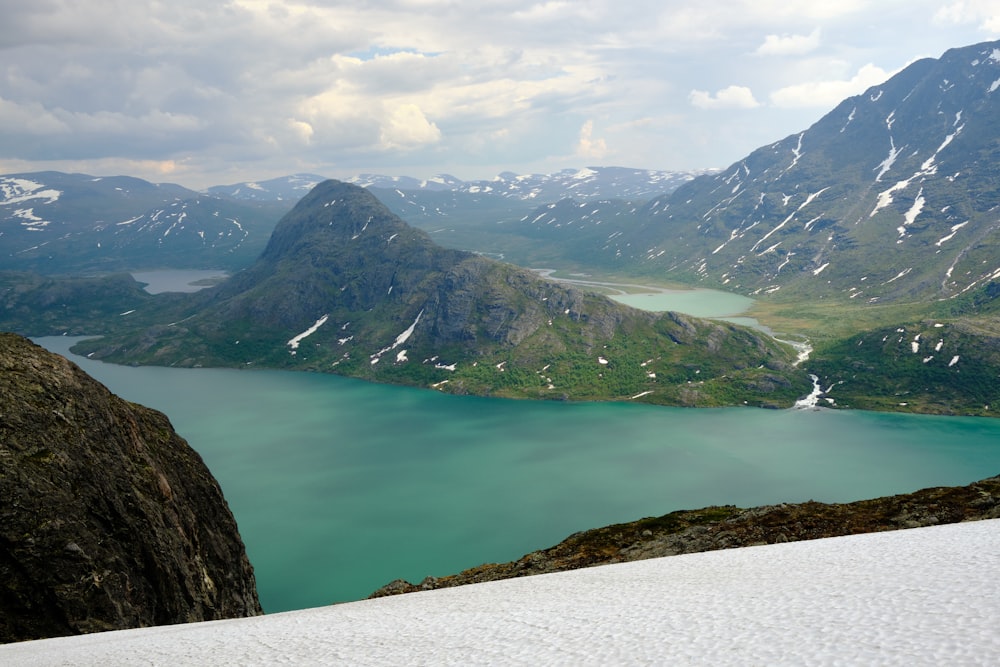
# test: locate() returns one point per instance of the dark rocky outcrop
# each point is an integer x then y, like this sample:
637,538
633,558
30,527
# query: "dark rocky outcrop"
725,527
108,519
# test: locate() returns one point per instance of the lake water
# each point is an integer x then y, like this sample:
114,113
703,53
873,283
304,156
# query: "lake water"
340,486
177,280
696,302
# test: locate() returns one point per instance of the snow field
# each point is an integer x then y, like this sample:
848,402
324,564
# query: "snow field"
926,596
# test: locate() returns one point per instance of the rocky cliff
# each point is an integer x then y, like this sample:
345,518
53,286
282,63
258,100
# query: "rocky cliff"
711,528
108,519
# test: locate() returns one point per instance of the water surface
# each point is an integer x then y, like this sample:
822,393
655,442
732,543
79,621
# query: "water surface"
177,280
694,302
340,486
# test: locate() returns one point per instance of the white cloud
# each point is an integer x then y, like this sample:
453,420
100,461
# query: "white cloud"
789,45
588,146
984,13
406,127
304,131
827,94
382,86
732,97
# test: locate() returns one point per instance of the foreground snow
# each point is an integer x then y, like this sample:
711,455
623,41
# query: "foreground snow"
927,596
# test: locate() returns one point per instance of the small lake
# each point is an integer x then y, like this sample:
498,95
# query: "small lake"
178,280
695,301
340,486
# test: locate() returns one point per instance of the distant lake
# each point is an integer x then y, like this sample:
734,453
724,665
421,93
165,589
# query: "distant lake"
178,280
340,486
696,302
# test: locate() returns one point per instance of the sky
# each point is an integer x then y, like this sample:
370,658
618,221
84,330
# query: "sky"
211,92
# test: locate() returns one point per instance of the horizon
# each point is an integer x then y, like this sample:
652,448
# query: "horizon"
352,177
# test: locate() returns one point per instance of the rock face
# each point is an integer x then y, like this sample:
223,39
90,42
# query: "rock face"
108,519
711,528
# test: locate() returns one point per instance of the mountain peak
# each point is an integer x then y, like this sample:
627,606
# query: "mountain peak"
331,217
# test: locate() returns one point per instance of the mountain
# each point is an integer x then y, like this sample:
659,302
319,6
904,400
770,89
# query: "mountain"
345,286
52,222
109,519
494,217
285,188
891,196
581,184
56,223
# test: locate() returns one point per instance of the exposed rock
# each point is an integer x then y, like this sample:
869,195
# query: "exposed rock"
711,528
108,519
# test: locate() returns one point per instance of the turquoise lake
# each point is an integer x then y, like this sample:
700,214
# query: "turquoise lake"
340,486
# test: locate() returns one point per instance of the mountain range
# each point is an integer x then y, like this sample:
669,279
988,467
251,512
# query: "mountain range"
57,223
873,233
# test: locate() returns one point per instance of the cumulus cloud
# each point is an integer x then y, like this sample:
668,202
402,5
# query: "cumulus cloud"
732,97
337,87
827,94
406,127
789,45
588,146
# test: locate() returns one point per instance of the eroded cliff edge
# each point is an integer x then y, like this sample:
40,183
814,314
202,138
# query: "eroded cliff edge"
108,519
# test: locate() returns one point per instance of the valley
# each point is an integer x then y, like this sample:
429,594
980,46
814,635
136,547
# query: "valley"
887,266
308,303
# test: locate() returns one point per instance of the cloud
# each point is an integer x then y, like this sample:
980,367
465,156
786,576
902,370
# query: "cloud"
984,13
406,127
338,87
827,94
732,97
789,45
589,147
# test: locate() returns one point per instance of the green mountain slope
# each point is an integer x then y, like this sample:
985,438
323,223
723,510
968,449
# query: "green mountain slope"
345,286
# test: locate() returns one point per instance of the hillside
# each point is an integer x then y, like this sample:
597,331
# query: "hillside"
56,223
345,286
891,196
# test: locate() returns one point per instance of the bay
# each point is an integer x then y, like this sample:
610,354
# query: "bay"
340,485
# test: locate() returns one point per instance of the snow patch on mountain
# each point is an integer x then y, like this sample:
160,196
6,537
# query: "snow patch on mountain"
20,190
294,342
